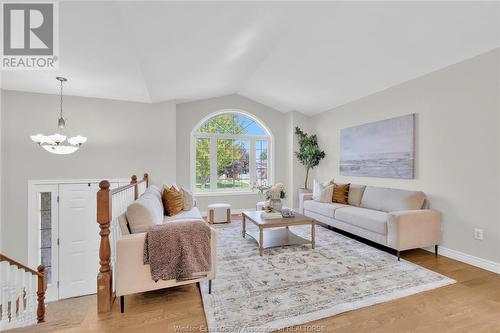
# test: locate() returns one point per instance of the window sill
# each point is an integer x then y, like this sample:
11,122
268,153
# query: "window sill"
223,193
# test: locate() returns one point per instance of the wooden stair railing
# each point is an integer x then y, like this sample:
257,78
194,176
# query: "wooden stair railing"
18,294
110,204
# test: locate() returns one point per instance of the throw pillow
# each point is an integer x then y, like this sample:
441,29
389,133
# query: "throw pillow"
154,190
188,199
144,213
341,193
355,194
322,193
172,201
166,185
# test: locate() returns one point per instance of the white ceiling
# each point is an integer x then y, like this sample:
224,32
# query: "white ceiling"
307,57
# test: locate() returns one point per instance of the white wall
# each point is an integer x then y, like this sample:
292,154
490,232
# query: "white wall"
1,169
188,116
296,172
124,138
457,146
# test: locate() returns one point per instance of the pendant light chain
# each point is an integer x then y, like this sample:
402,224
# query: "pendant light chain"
61,100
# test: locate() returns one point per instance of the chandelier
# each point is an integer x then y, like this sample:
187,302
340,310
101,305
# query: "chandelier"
57,143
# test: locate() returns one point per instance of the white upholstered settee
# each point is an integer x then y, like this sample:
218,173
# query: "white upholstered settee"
395,218
131,274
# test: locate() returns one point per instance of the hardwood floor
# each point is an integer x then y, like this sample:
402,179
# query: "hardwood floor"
470,305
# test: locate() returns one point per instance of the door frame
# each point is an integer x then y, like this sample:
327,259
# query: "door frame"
34,240
33,245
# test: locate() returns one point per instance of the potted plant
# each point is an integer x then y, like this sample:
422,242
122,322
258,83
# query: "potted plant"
309,154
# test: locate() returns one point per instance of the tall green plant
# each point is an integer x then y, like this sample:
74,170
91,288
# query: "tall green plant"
309,154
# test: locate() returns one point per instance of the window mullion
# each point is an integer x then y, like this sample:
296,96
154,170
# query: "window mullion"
213,164
270,173
253,166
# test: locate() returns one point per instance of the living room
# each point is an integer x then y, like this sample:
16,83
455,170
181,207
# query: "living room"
292,109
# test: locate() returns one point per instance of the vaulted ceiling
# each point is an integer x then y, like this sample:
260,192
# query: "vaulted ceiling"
302,56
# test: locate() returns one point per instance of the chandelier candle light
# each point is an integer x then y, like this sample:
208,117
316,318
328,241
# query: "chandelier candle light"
57,143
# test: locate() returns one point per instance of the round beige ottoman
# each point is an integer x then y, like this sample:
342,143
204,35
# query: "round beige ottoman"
219,213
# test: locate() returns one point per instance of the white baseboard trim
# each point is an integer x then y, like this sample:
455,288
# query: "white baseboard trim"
468,259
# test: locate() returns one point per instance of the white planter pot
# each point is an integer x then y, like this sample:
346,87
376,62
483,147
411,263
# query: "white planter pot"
276,204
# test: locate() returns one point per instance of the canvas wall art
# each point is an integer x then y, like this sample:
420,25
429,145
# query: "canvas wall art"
381,149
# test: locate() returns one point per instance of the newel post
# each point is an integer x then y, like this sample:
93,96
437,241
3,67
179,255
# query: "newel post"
40,292
133,180
104,277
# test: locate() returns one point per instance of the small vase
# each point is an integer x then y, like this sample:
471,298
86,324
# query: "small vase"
276,204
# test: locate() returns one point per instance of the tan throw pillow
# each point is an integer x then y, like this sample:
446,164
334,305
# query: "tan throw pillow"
187,199
172,201
165,186
341,193
355,194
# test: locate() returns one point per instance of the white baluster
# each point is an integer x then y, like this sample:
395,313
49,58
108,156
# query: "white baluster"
15,290
29,301
12,296
22,296
27,314
17,297
1,295
33,282
17,305
4,299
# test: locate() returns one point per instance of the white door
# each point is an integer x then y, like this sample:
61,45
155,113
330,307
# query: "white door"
46,224
78,240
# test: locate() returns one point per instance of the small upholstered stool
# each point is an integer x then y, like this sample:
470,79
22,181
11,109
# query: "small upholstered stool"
219,213
260,205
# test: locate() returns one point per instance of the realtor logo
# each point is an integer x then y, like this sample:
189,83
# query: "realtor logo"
30,37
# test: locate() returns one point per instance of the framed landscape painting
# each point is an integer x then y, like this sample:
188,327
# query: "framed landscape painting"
384,148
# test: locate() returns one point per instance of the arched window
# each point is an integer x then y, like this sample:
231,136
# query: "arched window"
231,151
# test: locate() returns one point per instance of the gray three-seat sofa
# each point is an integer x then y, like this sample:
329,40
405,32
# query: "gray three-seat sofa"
395,218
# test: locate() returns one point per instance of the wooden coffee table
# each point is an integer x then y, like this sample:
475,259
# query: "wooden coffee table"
275,232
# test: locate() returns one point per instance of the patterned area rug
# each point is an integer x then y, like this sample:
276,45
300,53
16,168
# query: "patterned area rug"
294,284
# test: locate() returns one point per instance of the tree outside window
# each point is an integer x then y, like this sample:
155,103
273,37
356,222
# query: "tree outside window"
236,148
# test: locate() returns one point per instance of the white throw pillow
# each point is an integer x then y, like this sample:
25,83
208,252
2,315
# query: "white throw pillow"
322,193
187,196
144,213
155,191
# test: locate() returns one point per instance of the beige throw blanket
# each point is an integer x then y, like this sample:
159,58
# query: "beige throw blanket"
178,250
